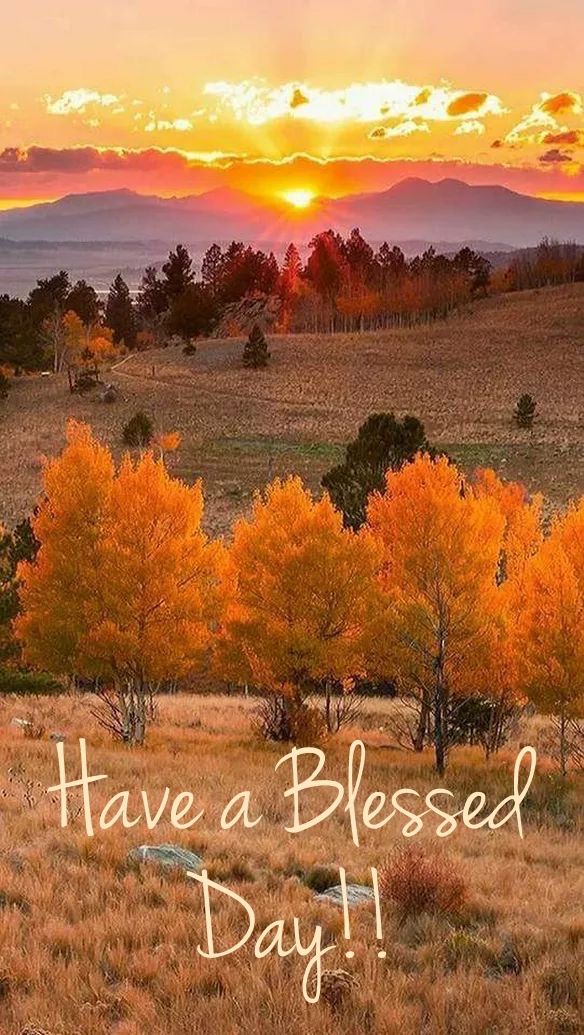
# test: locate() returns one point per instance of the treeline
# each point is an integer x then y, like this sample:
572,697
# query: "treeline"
452,589
344,285
552,262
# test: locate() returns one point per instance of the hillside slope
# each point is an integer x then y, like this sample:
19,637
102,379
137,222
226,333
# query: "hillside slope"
240,428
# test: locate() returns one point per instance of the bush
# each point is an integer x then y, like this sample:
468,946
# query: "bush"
255,352
524,414
461,948
279,719
139,430
417,882
25,684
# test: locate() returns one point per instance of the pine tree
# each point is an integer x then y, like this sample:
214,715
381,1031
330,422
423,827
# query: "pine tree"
255,352
119,313
524,414
212,268
383,443
82,299
139,430
178,273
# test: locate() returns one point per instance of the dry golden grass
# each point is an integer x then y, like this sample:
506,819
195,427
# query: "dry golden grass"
91,944
240,428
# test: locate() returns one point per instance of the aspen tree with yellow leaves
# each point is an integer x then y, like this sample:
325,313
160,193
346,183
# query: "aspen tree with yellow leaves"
302,592
550,635
442,547
125,586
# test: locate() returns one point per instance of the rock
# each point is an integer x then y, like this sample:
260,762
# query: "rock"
238,318
357,894
109,394
167,855
58,737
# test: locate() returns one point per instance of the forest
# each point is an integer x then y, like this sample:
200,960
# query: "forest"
344,285
454,593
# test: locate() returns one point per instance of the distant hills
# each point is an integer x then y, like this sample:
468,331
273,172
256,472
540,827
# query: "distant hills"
447,213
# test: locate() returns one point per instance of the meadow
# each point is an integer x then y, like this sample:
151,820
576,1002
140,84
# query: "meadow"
93,942
240,428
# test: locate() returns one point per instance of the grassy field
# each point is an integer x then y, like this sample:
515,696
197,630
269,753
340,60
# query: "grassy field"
92,943
241,428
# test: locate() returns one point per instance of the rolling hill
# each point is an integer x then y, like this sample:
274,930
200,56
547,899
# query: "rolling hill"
448,211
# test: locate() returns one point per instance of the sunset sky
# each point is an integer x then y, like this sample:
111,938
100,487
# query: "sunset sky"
305,95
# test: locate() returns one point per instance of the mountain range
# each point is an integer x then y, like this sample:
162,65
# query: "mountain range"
490,217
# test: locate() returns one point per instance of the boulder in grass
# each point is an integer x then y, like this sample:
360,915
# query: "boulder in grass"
357,894
167,855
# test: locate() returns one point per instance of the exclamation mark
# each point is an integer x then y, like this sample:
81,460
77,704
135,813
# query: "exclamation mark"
378,926
346,918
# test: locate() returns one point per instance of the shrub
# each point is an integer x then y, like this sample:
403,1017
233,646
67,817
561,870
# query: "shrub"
23,683
279,719
524,414
139,430
318,878
417,882
461,948
336,988
255,352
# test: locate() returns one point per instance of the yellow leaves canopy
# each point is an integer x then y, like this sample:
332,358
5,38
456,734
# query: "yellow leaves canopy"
125,585
441,545
551,622
301,592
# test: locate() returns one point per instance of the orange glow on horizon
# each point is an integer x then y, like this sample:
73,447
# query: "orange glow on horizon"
7,203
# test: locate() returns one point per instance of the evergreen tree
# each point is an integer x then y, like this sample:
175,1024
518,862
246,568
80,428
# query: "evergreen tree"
119,313
211,269
524,414
383,443
255,352
178,273
192,313
82,299
152,299
139,430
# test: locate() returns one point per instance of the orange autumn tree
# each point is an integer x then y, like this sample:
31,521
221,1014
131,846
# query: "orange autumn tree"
86,347
124,589
551,628
442,546
301,592
496,674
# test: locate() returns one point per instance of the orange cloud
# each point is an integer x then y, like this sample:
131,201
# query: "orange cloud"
555,157
562,104
566,137
466,103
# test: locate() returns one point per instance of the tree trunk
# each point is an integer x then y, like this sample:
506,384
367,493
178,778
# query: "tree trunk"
423,720
563,742
440,709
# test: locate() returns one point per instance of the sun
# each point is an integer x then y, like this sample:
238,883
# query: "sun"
299,197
